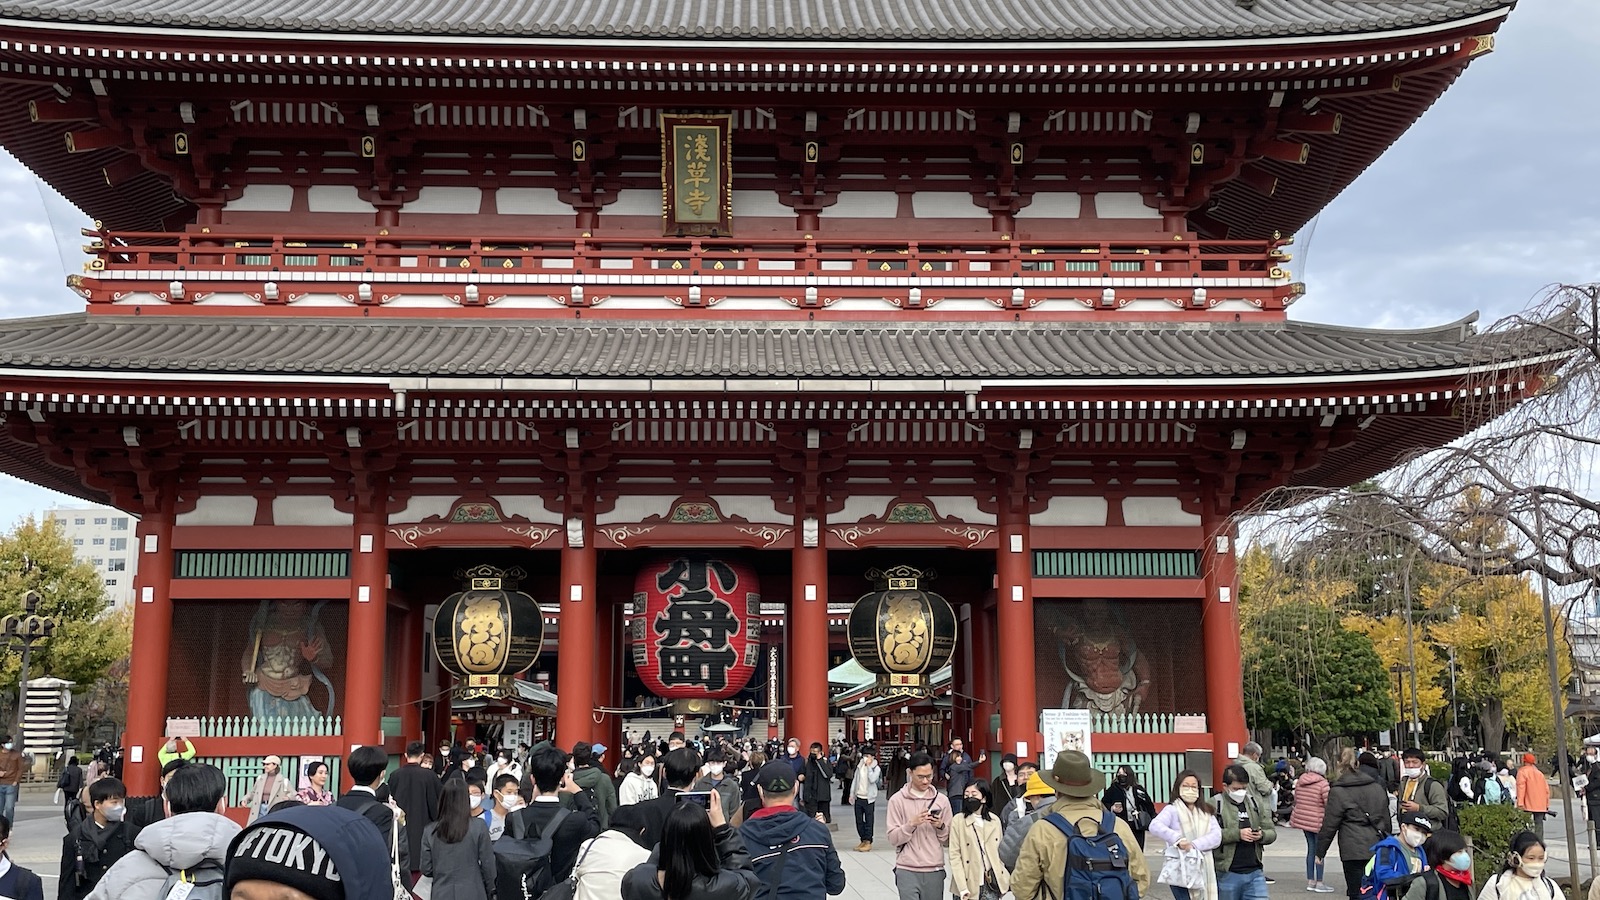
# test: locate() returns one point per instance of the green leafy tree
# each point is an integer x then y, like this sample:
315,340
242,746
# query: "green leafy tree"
88,638
1305,672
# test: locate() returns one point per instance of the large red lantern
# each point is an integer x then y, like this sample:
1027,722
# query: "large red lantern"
697,626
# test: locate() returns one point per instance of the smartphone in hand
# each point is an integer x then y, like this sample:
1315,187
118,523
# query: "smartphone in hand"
701,799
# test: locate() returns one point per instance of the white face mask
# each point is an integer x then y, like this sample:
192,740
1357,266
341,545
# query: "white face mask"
1411,773
1414,838
114,813
1532,869
1237,796
511,801
647,770
716,768
1188,794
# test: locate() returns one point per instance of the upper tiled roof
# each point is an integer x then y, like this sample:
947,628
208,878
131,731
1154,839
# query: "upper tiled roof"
419,348
815,20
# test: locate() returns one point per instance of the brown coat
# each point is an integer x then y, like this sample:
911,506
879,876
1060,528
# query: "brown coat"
10,767
1043,860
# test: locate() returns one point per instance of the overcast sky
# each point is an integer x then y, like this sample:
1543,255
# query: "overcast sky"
1485,202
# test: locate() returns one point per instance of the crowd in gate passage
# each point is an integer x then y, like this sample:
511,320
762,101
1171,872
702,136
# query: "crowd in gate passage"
725,819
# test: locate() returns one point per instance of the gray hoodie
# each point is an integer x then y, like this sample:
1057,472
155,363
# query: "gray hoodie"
180,842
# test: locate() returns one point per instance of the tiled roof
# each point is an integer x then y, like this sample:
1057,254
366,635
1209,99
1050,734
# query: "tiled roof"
828,20
420,348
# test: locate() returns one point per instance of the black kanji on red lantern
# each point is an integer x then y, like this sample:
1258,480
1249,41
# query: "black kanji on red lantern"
697,623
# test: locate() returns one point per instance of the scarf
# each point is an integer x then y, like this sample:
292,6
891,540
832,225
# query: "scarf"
1462,878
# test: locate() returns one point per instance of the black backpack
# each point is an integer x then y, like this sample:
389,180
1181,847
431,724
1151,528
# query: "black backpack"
522,863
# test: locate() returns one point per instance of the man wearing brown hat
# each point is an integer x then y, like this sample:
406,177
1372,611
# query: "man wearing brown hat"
1043,861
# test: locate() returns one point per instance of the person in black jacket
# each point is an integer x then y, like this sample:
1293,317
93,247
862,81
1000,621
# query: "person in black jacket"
1358,815
817,784
97,842
680,768
70,783
547,767
416,790
1131,802
366,766
700,858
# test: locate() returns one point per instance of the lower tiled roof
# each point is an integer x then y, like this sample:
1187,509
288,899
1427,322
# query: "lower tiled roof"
420,348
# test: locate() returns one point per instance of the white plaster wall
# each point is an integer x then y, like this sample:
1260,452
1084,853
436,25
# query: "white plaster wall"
220,511
755,509
1156,511
530,507
263,198
1054,205
634,508
450,200
857,507
530,201
1123,205
759,203
308,511
946,205
1073,511
964,508
419,508
634,202
336,198
863,205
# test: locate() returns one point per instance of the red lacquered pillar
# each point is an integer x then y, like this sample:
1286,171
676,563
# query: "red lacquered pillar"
1019,708
1219,632
367,644
152,644
808,633
575,676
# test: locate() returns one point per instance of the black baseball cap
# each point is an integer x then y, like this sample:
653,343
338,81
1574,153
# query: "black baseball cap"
776,778
1418,820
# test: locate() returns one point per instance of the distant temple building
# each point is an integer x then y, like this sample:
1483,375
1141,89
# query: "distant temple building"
708,296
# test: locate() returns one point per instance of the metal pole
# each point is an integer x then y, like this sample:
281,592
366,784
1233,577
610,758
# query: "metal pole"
1411,651
22,695
1553,671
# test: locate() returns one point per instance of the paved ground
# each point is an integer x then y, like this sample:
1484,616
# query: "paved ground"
36,843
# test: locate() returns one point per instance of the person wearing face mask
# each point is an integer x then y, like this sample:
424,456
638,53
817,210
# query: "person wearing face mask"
1522,877
717,780
1397,856
95,845
504,798
1189,824
456,851
1449,872
816,781
796,761
1247,829
638,781
1357,815
1128,799
11,766
975,869
1419,793
1037,798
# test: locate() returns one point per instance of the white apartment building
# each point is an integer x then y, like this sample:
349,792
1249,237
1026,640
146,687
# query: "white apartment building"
103,537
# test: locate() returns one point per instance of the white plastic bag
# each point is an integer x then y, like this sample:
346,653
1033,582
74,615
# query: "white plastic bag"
1186,870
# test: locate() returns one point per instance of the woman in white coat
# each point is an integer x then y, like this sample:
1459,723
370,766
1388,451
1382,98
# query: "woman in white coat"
1189,823
975,845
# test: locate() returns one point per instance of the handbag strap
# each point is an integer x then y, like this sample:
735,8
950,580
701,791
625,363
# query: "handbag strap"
776,878
581,857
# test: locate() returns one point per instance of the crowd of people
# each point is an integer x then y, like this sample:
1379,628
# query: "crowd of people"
741,819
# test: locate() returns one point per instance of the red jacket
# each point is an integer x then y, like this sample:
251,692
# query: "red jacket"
1310,801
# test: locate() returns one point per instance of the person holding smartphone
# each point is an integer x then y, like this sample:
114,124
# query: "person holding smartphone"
919,829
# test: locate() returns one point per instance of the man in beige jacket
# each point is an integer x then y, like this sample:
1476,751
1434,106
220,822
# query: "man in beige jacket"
1043,861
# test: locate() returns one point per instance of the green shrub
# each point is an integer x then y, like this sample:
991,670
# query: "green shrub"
1440,770
1489,827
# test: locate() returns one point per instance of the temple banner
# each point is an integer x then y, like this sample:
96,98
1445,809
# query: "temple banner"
1066,729
696,175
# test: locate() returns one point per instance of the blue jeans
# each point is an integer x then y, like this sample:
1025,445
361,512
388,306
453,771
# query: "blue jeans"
1313,868
1242,885
8,802
1179,893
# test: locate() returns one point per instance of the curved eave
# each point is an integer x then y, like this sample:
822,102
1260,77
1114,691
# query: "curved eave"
244,33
